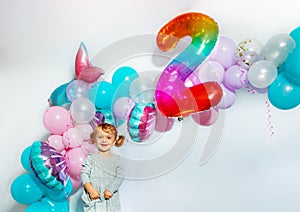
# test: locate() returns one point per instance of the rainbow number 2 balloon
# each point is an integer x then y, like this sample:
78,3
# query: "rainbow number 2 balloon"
172,96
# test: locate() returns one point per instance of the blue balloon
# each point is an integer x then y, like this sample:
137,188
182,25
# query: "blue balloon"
122,78
37,207
102,95
25,161
59,96
295,34
55,206
283,94
25,190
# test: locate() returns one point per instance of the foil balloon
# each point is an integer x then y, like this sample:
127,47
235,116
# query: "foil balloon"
141,122
48,165
84,70
172,96
59,96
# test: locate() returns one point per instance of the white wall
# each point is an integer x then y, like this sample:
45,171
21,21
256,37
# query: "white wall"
250,171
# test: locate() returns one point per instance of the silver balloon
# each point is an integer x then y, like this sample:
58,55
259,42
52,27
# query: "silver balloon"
278,48
262,73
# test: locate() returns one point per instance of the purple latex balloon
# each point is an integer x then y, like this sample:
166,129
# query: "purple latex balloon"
235,77
228,98
224,51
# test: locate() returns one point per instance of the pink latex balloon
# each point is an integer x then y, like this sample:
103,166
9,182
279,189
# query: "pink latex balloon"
84,131
74,158
206,118
57,120
163,123
76,183
123,107
223,52
88,148
71,138
56,142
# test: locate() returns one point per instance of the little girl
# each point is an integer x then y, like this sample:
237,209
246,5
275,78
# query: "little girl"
102,173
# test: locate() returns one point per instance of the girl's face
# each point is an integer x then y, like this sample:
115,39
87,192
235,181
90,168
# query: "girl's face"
104,141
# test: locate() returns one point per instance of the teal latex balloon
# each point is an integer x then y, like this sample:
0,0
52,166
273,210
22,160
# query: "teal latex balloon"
25,190
37,207
25,159
283,94
122,79
102,94
56,206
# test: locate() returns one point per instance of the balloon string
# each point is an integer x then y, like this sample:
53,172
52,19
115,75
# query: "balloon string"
250,89
270,125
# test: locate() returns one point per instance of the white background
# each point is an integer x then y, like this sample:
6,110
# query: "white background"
251,171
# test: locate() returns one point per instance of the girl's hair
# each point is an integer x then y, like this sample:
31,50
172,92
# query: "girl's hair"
108,128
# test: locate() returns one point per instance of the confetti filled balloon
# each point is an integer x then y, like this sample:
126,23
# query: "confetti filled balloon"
171,92
49,165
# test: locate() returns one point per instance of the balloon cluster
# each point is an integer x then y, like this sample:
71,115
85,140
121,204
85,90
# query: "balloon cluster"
199,82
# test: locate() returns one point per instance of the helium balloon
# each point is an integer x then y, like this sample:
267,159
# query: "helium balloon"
71,139
77,89
141,122
206,118
74,158
122,79
228,98
224,51
82,110
24,190
56,141
123,107
248,52
278,48
25,159
142,90
57,120
49,165
171,93
262,73
235,77
102,94
59,96
284,94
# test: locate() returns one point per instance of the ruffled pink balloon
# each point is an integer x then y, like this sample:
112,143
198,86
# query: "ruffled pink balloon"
57,120
206,118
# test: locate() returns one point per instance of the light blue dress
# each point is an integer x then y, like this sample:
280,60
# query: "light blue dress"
104,173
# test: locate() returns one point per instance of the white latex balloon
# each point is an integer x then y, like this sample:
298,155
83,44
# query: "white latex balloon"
142,90
262,73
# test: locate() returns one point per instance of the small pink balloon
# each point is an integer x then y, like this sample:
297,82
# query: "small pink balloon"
71,139
224,52
74,158
84,131
206,118
57,120
56,142
163,123
88,148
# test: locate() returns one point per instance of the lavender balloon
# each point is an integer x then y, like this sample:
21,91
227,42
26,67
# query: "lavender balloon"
235,77
228,98
223,52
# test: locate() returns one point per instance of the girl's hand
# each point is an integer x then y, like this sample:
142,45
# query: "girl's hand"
94,194
107,194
